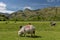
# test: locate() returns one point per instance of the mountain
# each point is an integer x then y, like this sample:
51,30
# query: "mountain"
45,14
4,16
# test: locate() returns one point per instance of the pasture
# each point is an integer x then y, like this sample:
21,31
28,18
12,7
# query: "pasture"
43,31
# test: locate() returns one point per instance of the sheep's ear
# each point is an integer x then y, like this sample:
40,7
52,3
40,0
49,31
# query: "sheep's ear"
20,26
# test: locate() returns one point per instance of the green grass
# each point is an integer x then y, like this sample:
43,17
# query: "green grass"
43,31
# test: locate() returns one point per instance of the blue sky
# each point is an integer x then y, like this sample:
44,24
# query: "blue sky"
14,5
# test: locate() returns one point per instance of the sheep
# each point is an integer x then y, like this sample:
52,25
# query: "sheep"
27,30
53,23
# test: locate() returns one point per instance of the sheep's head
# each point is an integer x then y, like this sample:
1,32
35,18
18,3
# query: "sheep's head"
20,27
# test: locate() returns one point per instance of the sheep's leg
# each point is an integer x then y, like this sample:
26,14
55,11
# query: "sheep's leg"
21,34
24,33
31,34
34,33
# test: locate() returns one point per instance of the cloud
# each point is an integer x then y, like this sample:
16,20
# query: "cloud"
3,8
27,7
5,11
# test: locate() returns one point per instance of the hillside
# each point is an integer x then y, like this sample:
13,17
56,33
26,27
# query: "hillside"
4,16
45,14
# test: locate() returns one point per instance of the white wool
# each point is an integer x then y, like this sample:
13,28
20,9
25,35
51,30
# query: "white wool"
24,29
21,30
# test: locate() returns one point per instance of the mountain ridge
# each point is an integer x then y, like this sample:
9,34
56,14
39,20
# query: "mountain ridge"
45,14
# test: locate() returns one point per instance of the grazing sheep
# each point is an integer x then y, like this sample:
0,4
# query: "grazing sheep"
53,23
30,29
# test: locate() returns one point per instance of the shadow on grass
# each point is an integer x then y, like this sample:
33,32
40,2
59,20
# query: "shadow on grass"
32,36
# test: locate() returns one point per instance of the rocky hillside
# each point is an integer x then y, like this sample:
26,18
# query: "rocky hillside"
45,14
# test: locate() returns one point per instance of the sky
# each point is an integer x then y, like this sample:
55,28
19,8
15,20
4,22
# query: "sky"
9,6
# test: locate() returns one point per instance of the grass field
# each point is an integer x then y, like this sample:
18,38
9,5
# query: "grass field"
43,31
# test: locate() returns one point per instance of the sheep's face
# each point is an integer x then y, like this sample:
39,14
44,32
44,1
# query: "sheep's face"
20,33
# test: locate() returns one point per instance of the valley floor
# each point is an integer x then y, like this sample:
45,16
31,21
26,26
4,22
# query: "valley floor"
43,31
